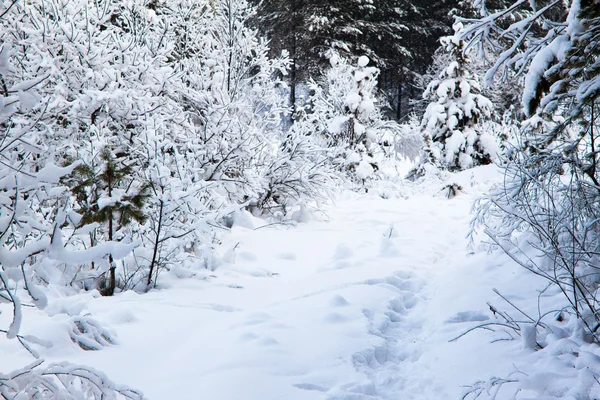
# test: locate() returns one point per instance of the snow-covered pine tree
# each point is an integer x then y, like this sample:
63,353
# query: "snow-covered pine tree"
109,197
399,37
451,124
343,109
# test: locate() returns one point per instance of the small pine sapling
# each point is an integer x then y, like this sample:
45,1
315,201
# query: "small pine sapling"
109,197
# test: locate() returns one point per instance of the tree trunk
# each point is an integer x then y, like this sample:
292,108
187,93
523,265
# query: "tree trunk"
112,281
156,244
399,107
293,72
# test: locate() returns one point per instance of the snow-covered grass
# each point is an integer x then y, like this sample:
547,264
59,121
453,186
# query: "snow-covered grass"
360,303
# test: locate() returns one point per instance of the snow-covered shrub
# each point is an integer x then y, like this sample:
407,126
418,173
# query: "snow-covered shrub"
545,214
62,381
546,211
300,174
234,107
453,133
557,361
180,209
230,92
36,212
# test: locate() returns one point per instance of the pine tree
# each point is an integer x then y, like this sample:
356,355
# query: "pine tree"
107,195
344,111
399,36
452,121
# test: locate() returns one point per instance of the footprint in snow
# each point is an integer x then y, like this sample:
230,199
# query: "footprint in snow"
287,256
397,306
343,252
310,386
338,301
268,342
335,318
247,337
467,316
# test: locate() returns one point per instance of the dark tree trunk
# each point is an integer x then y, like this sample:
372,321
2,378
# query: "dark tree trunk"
156,244
399,106
112,281
293,55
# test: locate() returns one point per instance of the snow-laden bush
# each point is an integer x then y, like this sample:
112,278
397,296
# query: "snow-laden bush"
35,212
186,100
556,362
545,215
234,104
231,99
62,381
299,175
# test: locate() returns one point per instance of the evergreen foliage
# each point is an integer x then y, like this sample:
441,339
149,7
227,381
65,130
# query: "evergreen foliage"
452,124
399,36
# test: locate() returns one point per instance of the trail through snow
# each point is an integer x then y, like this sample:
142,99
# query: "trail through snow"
358,307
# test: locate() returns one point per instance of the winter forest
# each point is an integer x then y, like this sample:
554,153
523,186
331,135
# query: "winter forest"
299,199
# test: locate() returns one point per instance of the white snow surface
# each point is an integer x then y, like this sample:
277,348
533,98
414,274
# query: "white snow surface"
357,305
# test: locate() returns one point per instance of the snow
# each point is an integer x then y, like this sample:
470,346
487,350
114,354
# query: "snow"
454,144
366,107
363,61
52,173
5,66
27,100
553,52
336,125
364,169
361,305
489,144
353,100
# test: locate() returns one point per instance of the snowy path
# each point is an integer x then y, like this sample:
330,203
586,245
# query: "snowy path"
350,309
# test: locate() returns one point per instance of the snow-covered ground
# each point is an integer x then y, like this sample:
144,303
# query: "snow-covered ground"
361,304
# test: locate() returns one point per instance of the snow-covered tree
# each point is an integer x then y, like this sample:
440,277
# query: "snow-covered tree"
233,103
551,190
109,196
398,36
38,230
454,135
102,83
344,112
